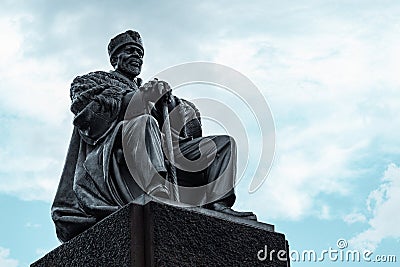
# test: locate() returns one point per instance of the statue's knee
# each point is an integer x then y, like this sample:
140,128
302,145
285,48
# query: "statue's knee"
227,140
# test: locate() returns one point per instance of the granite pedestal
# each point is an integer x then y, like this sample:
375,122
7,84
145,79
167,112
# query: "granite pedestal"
151,233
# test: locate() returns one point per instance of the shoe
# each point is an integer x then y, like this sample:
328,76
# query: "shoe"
223,208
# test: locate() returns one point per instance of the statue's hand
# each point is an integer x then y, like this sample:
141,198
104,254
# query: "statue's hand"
155,90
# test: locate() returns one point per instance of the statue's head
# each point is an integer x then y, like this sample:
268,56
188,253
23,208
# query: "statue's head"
126,53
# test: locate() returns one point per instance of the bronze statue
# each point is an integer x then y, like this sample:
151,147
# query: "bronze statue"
117,153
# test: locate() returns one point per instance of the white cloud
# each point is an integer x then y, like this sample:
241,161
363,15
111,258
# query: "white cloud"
11,47
32,158
384,218
31,182
5,260
30,187
35,116
32,225
325,212
33,86
332,91
354,218
298,178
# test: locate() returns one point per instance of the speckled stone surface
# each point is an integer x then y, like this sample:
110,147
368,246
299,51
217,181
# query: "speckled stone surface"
108,243
149,233
182,237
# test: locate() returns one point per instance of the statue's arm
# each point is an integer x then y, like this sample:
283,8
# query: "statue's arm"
96,107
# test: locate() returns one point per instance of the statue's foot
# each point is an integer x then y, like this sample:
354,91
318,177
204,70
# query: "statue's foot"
221,207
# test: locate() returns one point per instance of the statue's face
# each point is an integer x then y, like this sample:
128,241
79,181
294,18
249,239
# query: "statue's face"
130,60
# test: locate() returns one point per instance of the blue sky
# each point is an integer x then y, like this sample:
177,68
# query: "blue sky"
328,69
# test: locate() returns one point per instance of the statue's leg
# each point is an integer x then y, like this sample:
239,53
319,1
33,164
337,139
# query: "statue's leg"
219,175
141,139
219,153
222,171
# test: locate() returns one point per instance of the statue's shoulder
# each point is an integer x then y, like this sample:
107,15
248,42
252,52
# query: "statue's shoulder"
99,77
100,80
92,74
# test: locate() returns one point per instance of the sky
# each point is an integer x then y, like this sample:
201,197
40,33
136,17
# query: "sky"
328,70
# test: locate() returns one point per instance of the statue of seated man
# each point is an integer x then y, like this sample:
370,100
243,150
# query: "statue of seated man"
123,141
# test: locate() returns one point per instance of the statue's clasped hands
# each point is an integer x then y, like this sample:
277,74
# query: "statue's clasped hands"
154,90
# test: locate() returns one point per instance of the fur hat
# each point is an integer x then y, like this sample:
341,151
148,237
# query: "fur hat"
128,37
